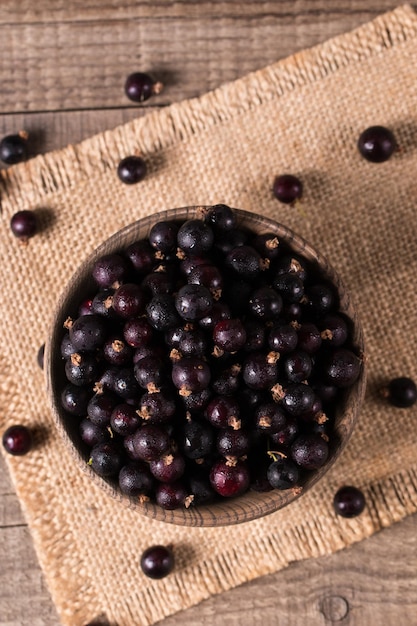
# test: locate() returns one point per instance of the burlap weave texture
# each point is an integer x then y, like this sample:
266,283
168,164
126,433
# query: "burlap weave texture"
302,115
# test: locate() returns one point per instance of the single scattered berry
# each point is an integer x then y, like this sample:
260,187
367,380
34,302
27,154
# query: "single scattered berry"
287,188
13,148
157,562
349,501
132,170
17,440
140,87
401,392
24,224
377,144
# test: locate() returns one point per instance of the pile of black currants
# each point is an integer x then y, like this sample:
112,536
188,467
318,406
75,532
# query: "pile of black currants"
209,361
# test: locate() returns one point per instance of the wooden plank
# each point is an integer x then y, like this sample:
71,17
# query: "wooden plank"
62,65
24,597
27,11
371,583
52,131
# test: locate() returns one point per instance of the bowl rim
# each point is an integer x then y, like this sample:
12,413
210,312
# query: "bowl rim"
250,505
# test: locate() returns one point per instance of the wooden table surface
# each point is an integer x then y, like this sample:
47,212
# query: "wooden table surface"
62,71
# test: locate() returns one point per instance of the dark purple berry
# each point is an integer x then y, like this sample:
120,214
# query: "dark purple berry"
139,87
190,374
349,501
88,332
141,255
137,332
245,261
260,370
310,451
168,468
287,188
401,392
230,478
150,373
377,144
229,335
124,419
289,286
283,473
233,443
17,440
282,338
195,237
24,224
82,369
105,459
161,312
101,406
13,148
129,300
109,270
342,368
308,338
265,303
93,434
193,302
209,276
116,351
75,399
150,442
320,299
125,383
297,366
298,399
334,330
223,411
131,170
171,495
221,217
163,236
196,439
135,479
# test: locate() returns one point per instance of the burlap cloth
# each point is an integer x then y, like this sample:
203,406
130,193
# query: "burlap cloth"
302,115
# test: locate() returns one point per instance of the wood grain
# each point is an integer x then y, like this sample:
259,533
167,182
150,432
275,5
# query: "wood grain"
58,85
191,48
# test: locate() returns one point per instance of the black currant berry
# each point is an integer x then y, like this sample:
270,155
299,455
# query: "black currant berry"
131,170
105,459
24,224
195,237
139,87
13,148
88,332
17,440
157,562
377,144
401,392
310,451
283,473
287,188
349,501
